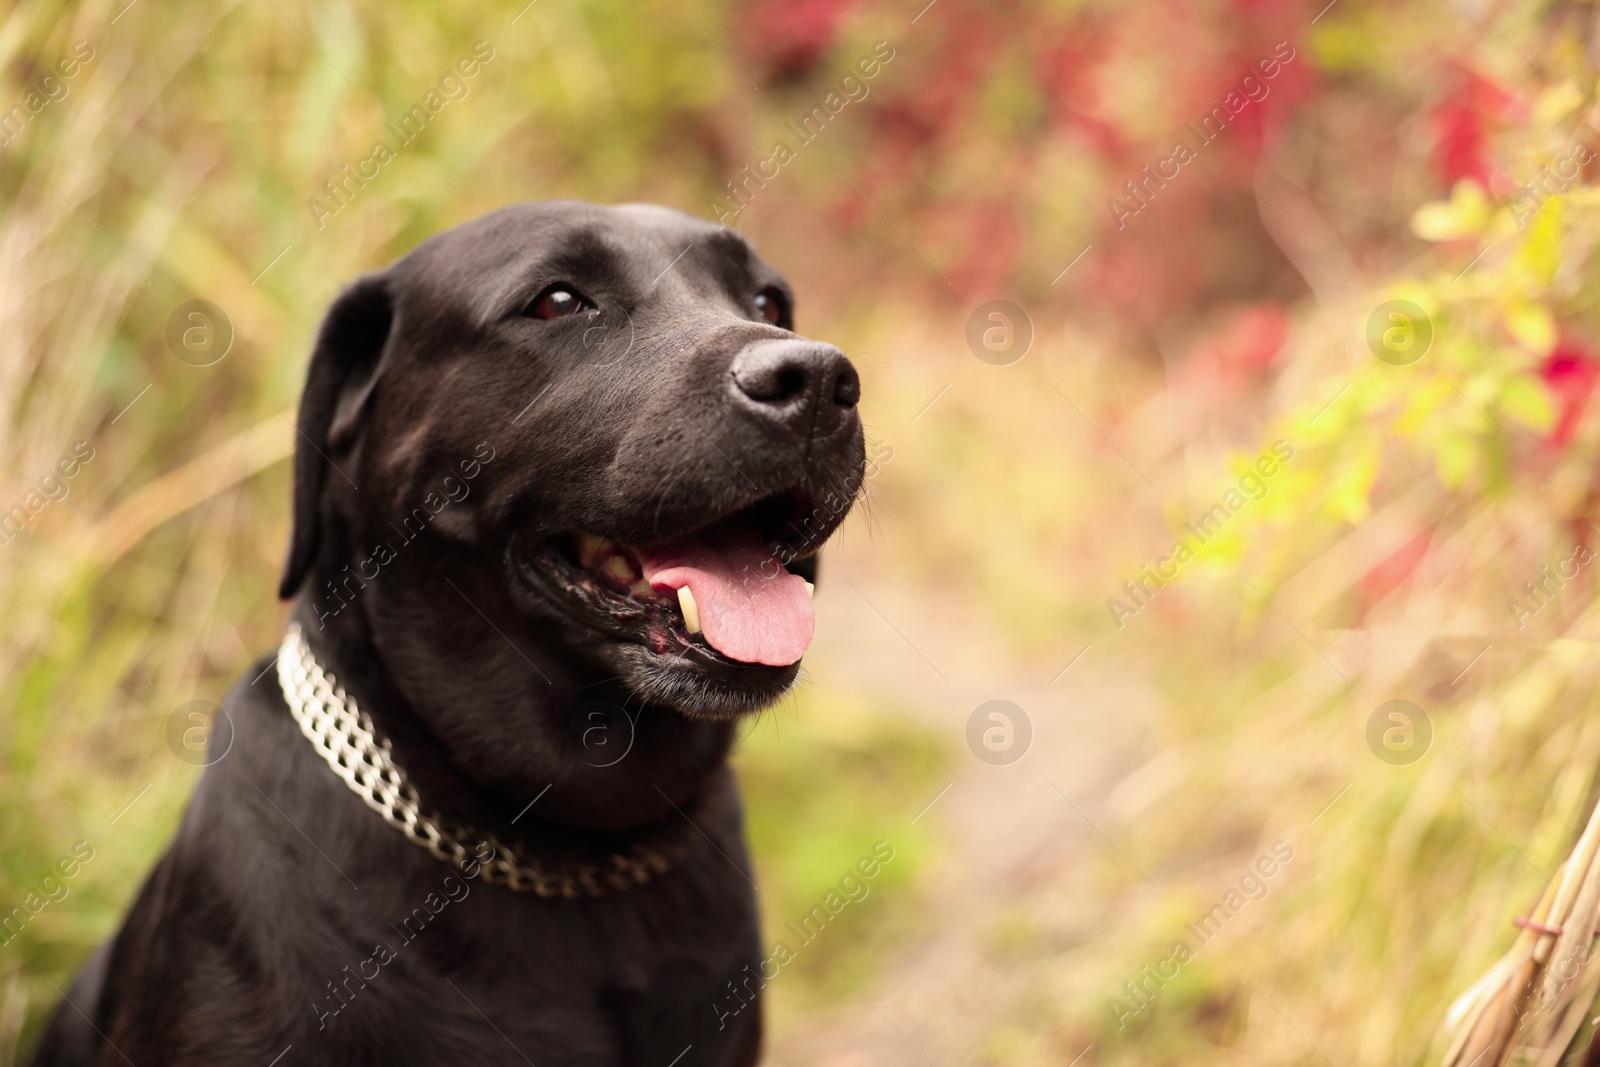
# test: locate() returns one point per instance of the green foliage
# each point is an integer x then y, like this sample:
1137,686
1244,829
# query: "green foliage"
187,159
829,776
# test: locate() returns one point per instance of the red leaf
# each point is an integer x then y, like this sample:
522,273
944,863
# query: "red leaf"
1462,124
787,38
1394,571
1570,373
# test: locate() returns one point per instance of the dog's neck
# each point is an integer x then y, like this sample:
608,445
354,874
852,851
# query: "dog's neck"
483,726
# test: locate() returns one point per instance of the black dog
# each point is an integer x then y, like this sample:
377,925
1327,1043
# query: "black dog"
558,478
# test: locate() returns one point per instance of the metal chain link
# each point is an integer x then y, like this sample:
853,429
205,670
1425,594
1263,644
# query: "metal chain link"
344,737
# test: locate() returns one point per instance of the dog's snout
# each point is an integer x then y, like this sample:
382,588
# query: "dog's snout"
804,385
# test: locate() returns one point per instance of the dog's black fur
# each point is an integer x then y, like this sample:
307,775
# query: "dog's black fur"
667,402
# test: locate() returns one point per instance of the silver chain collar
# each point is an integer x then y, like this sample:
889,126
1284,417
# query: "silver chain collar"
344,737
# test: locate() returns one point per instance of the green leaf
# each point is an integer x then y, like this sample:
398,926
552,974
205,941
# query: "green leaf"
1349,497
1540,254
1455,455
1555,104
1532,325
1465,214
1527,401
1420,405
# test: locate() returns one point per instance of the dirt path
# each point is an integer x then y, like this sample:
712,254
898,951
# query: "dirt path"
1012,831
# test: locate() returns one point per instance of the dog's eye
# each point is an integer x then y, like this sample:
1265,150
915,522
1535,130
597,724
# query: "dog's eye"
771,306
557,302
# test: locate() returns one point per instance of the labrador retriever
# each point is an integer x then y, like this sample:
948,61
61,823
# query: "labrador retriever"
560,476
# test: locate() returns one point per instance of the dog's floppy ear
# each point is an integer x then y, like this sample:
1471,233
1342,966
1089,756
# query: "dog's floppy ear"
344,367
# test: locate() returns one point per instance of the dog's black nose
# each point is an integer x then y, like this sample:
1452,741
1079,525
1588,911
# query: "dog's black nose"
806,386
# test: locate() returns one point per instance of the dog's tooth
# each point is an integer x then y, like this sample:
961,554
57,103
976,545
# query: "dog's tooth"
810,588
589,546
691,610
641,589
619,568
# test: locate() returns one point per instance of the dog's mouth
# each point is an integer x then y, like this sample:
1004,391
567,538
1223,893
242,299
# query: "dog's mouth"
732,597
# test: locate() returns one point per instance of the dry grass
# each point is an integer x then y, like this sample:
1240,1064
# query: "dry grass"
178,167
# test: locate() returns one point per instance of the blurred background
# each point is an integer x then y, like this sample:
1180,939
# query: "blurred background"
1339,346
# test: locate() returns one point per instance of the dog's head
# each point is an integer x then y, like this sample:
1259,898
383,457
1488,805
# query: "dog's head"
601,427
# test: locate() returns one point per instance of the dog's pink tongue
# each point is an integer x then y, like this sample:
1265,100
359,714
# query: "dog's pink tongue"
751,609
